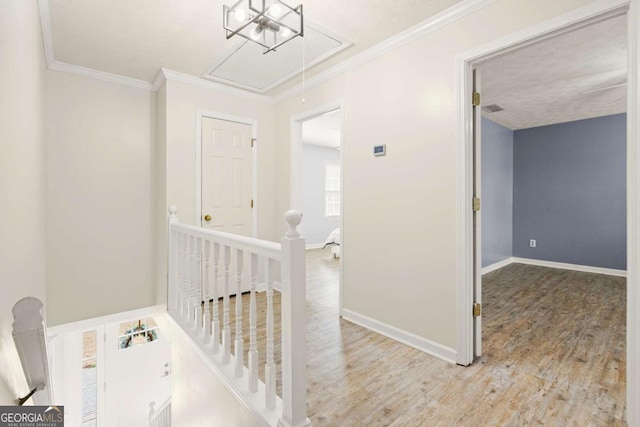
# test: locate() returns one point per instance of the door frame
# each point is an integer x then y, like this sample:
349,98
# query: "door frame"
464,218
295,190
69,336
200,114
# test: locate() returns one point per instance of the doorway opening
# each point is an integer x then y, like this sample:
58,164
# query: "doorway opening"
317,186
606,83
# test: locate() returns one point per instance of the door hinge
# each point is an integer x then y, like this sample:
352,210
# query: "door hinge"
475,99
476,204
253,141
251,203
477,309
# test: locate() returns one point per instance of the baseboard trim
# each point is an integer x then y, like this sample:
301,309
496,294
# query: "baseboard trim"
575,267
313,246
553,264
496,266
437,350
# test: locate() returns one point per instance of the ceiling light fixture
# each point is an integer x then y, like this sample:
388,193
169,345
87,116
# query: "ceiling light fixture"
270,23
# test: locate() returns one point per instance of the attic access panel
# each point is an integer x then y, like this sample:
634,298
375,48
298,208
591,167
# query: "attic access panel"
249,68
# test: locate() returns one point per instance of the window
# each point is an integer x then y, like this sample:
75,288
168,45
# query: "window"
332,189
137,332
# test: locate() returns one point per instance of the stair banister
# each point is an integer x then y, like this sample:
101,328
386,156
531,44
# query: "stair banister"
199,259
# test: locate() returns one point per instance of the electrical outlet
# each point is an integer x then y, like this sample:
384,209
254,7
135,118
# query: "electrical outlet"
532,243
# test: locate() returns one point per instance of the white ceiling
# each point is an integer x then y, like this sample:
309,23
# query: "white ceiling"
557,80
137,38
573,76
239,68
323,130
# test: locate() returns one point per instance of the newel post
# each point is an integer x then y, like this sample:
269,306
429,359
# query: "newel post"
172,263
294,326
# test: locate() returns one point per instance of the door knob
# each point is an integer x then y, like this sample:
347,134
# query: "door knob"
207,218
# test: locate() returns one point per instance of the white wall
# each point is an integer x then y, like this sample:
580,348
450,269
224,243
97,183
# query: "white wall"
198,396
399,212
175,159
159,183
182,102
22,95
316,226
99,198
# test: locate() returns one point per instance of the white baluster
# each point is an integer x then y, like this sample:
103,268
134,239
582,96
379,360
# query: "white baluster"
172,302
173,273
198,287
270,368
239,345
226,330
180,268
185,277
252,354
191,277
293,300
207,293
216,313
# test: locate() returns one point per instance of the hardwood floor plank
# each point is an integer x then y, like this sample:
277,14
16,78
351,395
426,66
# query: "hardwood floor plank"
554,345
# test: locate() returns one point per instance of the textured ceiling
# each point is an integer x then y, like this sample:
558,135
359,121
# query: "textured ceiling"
323,130
573,76
137,38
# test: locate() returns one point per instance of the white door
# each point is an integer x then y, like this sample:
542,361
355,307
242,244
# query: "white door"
136,378
477,220
227,176
227,205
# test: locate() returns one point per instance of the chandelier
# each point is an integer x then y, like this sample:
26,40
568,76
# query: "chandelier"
270,23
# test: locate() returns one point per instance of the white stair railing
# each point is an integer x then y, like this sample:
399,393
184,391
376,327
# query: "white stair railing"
202,260
160,417
30,338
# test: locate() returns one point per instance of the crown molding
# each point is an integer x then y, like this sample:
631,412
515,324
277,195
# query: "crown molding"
47,35
207,84
63,67
158,81
100,75
440,20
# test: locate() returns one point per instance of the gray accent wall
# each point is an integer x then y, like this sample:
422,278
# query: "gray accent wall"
315,226
497,192
569,192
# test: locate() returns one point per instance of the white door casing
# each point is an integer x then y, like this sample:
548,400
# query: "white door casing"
295,162
227,176
227,186
465,62
135,377
201,115
477,215
464,67
127,380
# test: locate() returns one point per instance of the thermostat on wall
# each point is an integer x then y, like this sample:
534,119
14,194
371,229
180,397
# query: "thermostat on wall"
380,150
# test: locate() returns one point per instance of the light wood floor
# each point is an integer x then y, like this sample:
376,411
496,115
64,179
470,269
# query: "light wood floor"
554,355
